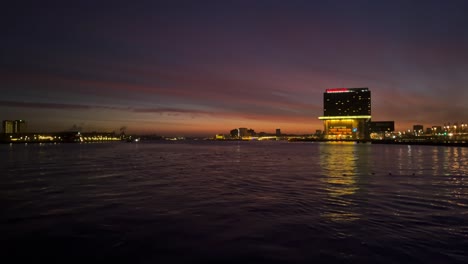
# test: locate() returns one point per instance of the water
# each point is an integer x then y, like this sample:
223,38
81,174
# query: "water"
234,202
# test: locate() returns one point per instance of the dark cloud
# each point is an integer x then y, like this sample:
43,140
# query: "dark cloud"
45,105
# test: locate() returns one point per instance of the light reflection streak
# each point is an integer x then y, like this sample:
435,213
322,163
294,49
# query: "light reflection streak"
338,164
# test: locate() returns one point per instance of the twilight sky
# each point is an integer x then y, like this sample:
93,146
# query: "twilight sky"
205,67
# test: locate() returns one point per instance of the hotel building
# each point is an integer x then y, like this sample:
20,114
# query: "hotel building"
346,113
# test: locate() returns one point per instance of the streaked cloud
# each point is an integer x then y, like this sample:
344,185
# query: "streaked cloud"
167,65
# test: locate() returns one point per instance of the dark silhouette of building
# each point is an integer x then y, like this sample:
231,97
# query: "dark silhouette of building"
278,132
381,126
346,113
381,129
242,132
418,130
437,130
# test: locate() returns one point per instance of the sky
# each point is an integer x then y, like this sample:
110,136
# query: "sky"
197,68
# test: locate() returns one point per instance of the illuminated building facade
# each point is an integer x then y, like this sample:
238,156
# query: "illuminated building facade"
8,126
346,113
20,126
14,126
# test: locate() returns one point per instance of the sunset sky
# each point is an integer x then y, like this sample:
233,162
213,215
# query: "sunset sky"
206,67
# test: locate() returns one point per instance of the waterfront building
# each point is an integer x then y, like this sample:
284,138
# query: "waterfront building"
437,130
381,126
418,130
20,126
381,129
14,126
8,126
346,113
242,132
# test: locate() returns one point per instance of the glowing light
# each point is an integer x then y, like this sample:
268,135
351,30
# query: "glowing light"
338,90
344,117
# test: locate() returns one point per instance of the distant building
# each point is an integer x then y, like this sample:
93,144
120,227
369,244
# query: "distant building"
8,126
278,132
418,130
381,129
381,126
346,113
20,126
242,132
437,130
234,133
14,126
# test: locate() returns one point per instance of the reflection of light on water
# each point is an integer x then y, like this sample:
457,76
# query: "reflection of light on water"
341,186
455,195
456,162
338,163
341,216
450,161
238,152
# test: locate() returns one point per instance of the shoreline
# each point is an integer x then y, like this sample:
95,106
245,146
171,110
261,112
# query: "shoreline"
453,143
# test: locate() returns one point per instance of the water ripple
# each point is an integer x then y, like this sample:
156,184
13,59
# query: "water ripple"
236,201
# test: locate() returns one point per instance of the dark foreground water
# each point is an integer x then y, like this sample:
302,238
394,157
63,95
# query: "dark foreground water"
235,202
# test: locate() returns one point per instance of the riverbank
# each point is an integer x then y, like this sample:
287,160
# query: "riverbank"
428,142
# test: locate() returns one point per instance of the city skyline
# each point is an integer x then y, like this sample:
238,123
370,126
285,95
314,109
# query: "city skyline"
200,68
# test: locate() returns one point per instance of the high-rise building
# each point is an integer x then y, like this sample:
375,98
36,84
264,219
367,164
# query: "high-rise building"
14,126
8,126
20,126
346,113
